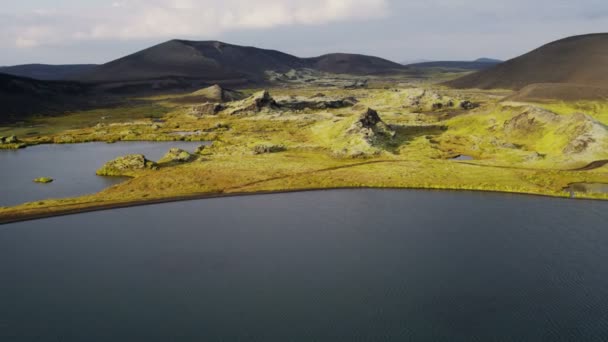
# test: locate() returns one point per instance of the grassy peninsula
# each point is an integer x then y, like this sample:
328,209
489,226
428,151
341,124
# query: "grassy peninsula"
301,137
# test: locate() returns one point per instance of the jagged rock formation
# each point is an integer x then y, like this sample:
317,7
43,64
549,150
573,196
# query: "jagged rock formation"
255,103
428,100
126,165
370,126
9,140
176,156
268,148
315,102
359,84
207,109
264,102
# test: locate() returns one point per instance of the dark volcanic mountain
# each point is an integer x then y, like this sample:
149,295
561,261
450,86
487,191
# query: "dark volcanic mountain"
22,96
581,60
207,60
217,62
479,64
343,63
48,72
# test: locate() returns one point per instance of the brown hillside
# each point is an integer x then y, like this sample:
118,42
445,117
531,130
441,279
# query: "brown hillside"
559,91
576,60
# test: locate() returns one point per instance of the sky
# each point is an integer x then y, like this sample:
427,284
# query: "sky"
98,31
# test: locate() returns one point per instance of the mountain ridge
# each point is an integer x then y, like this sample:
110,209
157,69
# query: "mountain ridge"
219,62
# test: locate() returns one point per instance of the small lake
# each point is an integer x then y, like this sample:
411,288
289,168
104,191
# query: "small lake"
72,166
463,157
347,265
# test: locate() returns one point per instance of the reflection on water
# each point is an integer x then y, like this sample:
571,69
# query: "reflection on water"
349,265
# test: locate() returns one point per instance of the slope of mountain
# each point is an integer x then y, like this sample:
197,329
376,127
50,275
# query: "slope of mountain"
479,64
21,96
47,72
217,62
207,60
343,63
559,91
580,60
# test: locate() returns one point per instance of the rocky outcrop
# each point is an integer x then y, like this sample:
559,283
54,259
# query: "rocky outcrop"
530,121
429,100
575,135
126,165
206,109
201,149
359,84
255,104
588,134
268,148
468,105
176,156
371,127
9,140
316,102
264,102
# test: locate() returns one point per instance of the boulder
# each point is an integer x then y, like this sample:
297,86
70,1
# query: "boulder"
124,166
176,156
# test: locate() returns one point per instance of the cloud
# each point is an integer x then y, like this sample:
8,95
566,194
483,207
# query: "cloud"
156,19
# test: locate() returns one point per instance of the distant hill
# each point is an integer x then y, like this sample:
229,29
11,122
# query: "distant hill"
216,62
22,96
343,63
574,61
478,64
206,60
47,72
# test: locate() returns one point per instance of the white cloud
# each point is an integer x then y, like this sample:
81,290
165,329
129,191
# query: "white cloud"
155,19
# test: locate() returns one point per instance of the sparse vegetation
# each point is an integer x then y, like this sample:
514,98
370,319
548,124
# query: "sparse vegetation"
516,147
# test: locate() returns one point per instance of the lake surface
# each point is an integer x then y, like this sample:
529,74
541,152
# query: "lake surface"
349,265
72,166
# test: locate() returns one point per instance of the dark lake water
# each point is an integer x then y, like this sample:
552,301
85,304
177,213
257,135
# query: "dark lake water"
72,166
350,265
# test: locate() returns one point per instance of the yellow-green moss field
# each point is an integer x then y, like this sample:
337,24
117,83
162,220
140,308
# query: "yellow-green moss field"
515,147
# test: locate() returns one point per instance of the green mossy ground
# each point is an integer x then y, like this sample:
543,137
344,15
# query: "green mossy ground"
319,149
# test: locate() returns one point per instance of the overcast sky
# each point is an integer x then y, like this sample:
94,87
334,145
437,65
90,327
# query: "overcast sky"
97,31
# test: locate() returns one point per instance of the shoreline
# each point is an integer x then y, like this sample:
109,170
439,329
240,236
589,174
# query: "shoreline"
139,203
